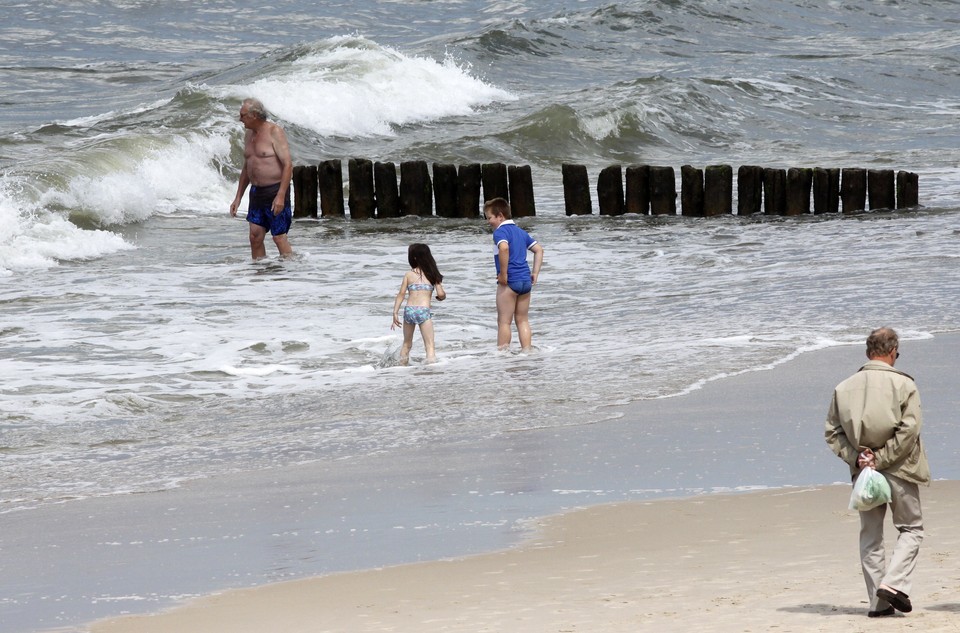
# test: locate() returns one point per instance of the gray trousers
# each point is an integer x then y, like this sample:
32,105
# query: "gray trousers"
907,518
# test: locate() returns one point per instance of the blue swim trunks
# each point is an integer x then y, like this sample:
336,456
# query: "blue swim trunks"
415,315
520,287
260,210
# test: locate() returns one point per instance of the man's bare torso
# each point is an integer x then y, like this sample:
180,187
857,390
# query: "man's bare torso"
263,165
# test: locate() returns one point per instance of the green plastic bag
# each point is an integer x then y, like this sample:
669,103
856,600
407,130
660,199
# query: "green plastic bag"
869,491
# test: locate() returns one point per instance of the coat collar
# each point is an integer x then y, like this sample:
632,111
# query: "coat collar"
879,365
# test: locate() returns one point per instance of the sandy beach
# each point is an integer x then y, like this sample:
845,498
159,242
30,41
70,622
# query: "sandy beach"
780,559
783,560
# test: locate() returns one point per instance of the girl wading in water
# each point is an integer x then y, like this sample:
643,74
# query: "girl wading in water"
418,286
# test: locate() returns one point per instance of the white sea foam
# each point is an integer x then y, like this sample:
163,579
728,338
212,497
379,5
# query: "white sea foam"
36,239
257,371
151,175
357,88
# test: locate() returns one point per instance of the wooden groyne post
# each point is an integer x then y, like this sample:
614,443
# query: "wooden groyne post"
826,190
774,191
305,191
330,185
468,190
416,191
576,189
908,190
691,191
853,189
799,182
750,188
881,190
494,179
445,189
638,189
663,191
520,187
718,190
610,191
386,192
361,201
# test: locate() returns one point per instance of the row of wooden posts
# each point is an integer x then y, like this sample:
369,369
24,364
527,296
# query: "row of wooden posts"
455,191
374,189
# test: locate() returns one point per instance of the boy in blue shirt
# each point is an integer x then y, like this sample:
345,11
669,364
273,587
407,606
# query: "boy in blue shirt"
514,277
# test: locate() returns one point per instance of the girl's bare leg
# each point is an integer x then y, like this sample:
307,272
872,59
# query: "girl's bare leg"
426,331
408,329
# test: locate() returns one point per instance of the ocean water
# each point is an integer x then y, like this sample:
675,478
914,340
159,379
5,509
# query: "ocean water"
141,348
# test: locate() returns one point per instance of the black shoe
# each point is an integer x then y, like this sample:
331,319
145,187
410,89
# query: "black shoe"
899,600
881,614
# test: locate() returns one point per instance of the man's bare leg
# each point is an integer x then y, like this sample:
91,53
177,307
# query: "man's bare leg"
283,245
257,249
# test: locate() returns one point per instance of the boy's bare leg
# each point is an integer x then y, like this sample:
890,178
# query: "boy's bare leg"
522,317
506,306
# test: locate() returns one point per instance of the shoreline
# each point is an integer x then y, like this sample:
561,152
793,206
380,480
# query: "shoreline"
104,557
773,560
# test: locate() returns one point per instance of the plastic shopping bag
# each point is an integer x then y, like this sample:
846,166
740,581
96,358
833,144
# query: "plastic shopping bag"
869,491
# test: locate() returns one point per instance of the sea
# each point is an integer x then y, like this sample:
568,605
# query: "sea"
142,348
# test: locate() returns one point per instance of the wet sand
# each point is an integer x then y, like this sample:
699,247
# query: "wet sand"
783,560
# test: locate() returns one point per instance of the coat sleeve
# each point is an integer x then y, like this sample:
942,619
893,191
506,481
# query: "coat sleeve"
837,438
907,433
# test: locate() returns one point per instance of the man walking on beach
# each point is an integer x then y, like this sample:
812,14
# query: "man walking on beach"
267,166
874,420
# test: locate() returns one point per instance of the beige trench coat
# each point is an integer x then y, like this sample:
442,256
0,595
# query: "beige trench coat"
879,408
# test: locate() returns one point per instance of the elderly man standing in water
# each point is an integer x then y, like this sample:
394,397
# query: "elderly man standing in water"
268,169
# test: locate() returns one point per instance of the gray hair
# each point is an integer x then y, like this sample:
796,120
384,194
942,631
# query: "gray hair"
256,108
882,342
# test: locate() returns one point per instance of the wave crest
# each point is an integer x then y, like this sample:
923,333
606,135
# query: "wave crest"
352,87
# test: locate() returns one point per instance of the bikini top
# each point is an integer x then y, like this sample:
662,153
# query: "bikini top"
420,286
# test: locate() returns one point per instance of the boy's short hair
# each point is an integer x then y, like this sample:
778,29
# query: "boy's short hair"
498,206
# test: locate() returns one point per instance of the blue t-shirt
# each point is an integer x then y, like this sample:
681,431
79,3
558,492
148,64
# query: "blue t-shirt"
519,242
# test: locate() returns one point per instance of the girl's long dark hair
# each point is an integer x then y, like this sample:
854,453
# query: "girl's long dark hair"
419,256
